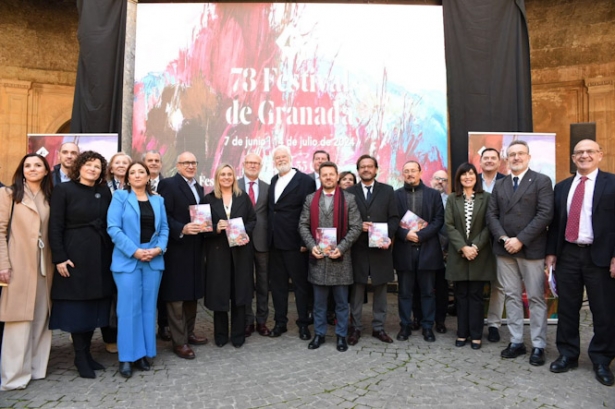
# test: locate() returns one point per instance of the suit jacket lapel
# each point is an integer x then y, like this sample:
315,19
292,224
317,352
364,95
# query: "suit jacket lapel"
479,202
524,185
460,204
292,185
598,189
134,203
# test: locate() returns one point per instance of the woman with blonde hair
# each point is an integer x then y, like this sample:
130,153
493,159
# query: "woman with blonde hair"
229,270
117,171
27,271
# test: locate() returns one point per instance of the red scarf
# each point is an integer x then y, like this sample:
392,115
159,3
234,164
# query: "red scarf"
340,213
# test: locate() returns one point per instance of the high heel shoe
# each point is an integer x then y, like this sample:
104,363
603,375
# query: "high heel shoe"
125,369
142,364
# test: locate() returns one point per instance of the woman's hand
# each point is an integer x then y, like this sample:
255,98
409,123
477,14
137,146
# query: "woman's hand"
469,252
222,225
63,268
5,276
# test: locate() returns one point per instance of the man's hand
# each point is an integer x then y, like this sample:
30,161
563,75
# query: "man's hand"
513,245
366,225
335,254
551,260
317,253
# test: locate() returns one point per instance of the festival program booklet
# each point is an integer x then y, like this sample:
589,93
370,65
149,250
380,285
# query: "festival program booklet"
236,232
326,239
411,221
201,214
378,235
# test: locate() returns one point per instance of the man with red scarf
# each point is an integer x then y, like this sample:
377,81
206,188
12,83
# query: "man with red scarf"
331,207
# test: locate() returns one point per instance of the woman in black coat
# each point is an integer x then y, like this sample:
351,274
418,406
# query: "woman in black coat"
229,270
81,250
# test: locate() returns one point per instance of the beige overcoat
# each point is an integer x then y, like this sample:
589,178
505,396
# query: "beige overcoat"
22,255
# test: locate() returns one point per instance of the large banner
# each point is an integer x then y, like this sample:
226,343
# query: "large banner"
226,79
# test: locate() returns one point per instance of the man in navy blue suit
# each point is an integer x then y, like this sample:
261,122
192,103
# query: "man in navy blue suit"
417,255
288,257
581,250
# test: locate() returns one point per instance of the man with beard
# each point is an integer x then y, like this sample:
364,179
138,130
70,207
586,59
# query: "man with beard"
417,254
520,209
66,156
376,204
288,256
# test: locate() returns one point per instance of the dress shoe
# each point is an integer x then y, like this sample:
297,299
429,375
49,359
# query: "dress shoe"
142,364
382,336
494,334
262,330
183,351
238,344
537,358
164,333
111,347
440,328
125,369
604,374
416,325
221,343
428,335
278,330
476,344
249,330
404,333
194,339
563,364
460,342
341,344
354,336
304,333
513,350
316,342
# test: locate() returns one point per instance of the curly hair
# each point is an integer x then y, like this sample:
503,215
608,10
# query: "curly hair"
82,159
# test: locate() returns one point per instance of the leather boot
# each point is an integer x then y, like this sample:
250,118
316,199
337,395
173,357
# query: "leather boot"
81,359
93,364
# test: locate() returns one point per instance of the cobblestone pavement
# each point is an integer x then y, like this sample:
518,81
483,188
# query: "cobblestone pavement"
283,373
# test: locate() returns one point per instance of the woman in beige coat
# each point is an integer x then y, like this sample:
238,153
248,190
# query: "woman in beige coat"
27,271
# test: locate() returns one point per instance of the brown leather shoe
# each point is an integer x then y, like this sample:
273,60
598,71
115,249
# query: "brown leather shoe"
193,339
263,330
184,351
382,336
354,336
249,330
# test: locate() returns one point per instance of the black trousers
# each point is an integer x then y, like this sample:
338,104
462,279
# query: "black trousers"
470,309
285,264
574,270
441,289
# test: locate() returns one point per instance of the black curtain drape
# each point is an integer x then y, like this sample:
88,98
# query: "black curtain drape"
97,106
488,70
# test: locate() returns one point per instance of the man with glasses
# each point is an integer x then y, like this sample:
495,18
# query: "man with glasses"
257,191
581,251
520,209
183,281
417,254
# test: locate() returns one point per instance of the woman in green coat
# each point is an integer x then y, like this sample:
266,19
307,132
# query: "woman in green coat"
471,263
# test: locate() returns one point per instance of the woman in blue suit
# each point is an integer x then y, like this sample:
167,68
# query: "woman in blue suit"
137,224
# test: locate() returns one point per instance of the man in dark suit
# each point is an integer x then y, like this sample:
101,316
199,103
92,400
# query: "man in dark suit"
376,204
581,241
66,156
287,252
257,191
520,209
318,157
183,282
417,254
489,164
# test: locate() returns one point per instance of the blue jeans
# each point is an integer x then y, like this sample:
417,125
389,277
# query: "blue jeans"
340,294
426,280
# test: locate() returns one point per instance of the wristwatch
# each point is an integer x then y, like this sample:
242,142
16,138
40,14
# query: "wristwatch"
503,240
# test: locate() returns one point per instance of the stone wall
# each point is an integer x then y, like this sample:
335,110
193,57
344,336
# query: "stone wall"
572,46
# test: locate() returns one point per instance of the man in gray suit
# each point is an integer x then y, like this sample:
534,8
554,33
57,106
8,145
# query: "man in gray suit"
520,209
376,204
331,207
257,191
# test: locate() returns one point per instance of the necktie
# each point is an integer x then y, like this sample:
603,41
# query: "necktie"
251,194
154,185
574,214
369,193
515,183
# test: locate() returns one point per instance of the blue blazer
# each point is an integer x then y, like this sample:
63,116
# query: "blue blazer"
124,227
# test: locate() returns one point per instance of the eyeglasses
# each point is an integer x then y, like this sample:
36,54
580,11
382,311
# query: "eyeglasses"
439,179
517,154
188,164
589,152
252,163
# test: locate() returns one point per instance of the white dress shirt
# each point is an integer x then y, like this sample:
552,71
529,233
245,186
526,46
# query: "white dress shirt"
282,182
586,232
